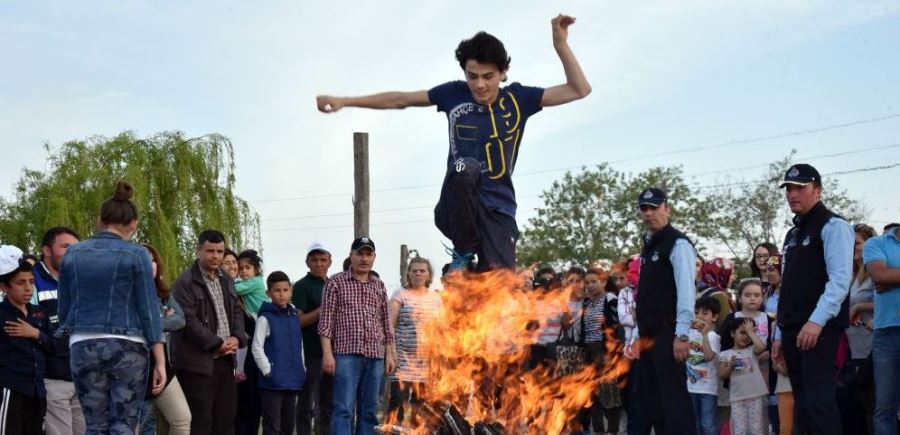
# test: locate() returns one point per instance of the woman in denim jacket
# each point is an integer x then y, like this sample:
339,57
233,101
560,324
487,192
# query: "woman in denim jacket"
109,309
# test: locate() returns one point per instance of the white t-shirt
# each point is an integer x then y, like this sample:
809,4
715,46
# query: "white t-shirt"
702,375
746,379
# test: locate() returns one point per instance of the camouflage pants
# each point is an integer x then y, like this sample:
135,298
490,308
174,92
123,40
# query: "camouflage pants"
110,378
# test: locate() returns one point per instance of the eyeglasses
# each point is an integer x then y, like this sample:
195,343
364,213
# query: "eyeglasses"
762,256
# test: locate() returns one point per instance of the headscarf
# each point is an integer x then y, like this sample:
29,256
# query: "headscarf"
717,273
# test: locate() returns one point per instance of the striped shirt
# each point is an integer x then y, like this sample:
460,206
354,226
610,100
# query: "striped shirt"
214,285
595,319
416,309
354,316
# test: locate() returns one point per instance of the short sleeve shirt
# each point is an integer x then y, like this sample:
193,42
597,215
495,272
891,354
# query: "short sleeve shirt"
747,379
702,375
885,248
489,134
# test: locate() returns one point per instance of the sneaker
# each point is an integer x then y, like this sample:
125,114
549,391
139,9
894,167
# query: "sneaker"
459,261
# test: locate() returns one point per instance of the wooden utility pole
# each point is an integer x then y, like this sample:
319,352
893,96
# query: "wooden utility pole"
404,261
361,185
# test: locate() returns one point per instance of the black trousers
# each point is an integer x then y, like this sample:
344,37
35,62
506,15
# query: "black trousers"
248,413
20,414
664,404
212,399
314,401
472,226
279,409
812,374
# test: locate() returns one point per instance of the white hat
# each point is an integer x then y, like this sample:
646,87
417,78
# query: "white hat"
9,258
317,246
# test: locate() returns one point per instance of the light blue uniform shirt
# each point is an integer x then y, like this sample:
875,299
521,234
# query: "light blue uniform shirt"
885,248
683,258
838,239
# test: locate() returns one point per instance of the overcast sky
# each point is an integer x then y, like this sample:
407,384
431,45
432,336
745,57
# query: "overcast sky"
666,76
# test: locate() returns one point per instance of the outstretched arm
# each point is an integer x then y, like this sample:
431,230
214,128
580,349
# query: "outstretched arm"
384,100
576,86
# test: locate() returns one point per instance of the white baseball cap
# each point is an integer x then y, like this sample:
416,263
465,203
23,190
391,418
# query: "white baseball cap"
9,258
317,246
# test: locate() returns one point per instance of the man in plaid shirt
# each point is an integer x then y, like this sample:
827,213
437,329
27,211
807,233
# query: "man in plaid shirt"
357,341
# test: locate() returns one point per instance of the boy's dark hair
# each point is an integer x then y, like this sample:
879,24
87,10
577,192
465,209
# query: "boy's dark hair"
24,266
276,276
545,269
119,209
254,259
346,264
891,226
575,270
483,48
228,252
51,234
211,236
708,303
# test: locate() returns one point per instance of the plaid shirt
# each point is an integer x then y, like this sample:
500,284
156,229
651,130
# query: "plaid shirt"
214,284
354,316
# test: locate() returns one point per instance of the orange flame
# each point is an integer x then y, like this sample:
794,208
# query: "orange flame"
477,347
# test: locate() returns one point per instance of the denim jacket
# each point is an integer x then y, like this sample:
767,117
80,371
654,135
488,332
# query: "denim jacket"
106,286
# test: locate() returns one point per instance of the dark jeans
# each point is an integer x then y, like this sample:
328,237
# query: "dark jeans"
249,410
106,372
212,399
279,410
314,400
705,413
664,404
886,360
20,414
470,225
812,374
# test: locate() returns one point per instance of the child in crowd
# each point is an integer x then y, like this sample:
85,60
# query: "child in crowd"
599,316
278,351
251,292
783,390
251,288
626,302
750,296
23,344
747,386
702,363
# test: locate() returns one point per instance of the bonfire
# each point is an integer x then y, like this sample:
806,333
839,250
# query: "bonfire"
477,349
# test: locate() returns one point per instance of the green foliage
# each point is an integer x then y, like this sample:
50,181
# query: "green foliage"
593,215
182,186
756,212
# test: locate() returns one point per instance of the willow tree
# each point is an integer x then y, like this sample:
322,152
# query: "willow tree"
182,186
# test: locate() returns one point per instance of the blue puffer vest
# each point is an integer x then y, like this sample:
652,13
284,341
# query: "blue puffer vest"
283,348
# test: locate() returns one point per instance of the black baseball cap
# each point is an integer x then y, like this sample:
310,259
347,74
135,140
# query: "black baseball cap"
653,196
801,174
362,242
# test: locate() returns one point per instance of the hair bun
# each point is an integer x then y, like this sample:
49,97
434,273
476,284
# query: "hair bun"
124,191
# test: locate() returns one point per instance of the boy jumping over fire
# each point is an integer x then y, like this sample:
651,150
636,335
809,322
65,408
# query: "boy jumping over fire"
477,206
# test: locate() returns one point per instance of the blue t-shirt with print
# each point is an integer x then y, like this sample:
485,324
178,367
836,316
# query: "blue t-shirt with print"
490,134
885,248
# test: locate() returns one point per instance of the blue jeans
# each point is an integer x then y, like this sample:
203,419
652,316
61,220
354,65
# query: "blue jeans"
886,363
357,382
705,413
110,377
